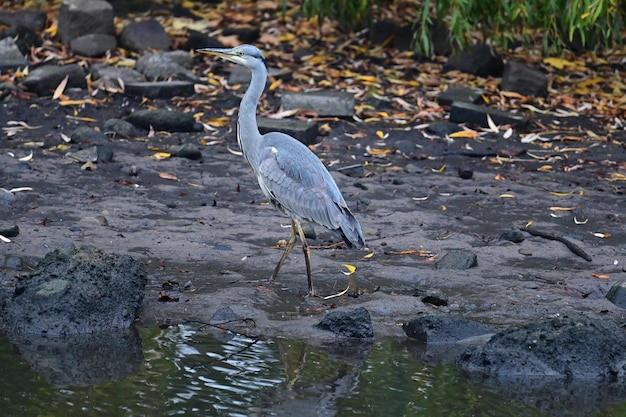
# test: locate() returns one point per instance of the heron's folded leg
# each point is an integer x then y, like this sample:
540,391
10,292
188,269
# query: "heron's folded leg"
307,257
288,248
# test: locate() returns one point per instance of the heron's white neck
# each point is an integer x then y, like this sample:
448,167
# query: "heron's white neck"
248,130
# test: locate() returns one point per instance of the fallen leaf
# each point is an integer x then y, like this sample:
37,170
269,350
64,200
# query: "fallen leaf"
350,269
58,92
600,276
168,176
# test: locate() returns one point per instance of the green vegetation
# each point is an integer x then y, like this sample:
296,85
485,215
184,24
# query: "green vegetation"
553,24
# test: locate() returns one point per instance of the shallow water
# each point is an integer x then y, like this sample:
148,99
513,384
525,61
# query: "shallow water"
184,371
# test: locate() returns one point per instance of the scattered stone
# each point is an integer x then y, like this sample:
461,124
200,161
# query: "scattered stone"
189,151
140,36
461,112
44,80
305,132
11,231
616,295
82,17
119,128
324,103
444,329
170,121
32,19
224,315
458,259
480,60
10,56
159,89
165,65
512,235
460,93
88,135
443,129
245,34
6,196
197,40
354,324
24,38
465,173
435,297
524,79
570,346
127,75
77,290
413,168
91,155
301,53
93,44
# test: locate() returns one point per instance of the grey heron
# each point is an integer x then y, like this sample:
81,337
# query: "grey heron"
290,175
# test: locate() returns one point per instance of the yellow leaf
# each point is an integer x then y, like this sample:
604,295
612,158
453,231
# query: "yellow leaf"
443,208
562,208
507,196
544,168
157,156
464,134
530,223
439,170
350,269
381,134
558,63
369,256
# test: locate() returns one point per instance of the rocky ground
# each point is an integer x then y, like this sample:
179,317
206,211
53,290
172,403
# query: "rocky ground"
504,222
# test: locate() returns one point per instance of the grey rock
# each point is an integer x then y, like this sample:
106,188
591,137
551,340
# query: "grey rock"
77,290
461,112
6,196
170,121
352,324
434,296
444,329
568,347
305,132
44,80
460,93
458,259
465,172
443,129
159,89
479,60
92,154
32,19
119,128
524,79
93,44
617,294
10,56
82,17
88,135
24,38
9,231
140,36
189,151
127,75
512,235
162,66
224,315
324,103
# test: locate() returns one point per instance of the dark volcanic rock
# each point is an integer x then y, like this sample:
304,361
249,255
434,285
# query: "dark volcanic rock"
82,17
32,19
356,323
10,56
149,34
170,121
44,80
616,295
93,44
159,89
165,65
458,259
119,128
479,60
567,347
443,329
524,79
76,290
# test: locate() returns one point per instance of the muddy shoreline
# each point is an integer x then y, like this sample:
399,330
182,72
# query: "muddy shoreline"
206,226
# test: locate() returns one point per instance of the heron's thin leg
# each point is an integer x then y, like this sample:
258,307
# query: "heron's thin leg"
307,257
288,248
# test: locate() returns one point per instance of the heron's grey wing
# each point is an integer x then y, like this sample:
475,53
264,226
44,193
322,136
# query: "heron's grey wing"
296,181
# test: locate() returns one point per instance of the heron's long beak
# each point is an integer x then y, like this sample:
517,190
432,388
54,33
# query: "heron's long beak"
226,53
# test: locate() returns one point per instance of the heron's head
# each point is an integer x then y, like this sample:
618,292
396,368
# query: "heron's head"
246,55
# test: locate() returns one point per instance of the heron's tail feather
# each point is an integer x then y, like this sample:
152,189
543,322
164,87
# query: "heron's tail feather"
350,230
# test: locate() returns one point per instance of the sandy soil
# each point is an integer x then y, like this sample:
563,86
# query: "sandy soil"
212,232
